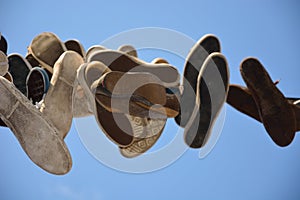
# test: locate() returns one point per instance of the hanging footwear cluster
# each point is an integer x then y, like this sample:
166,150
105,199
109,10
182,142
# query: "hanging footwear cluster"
131,99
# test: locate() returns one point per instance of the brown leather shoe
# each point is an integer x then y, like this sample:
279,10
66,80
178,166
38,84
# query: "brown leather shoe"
194,62
276,113
211,94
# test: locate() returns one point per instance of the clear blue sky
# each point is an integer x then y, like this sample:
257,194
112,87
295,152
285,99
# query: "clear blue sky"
245,163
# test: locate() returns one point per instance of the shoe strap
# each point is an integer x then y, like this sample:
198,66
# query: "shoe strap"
12,110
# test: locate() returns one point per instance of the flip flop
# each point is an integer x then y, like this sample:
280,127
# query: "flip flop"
3,64
19,69
3,44
128,49
120,89
211,94
75,45
46,48
57,105
274,109
241,99
120,61
37,84
193,64
86,75
38,138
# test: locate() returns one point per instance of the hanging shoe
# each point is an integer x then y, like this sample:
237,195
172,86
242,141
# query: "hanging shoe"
75,45
57,105
38,138
211,94
37,84
92,50
120,61
193,64
133,93
129,50
3,64
241,99
46,48
3,44
120,133
275,111
19,69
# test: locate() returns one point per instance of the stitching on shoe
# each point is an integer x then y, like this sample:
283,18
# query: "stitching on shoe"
13,110
65,81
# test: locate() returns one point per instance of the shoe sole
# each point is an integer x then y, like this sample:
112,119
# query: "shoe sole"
38,138
276,113
58,103
19,69
210,98
194,62
120,61
145,138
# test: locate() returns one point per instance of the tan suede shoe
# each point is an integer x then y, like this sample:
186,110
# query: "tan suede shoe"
46,48
57,105
38,138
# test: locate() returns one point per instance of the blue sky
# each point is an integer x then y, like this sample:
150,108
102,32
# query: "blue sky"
244,164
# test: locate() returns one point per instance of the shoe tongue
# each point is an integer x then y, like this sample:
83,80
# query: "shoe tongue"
94,71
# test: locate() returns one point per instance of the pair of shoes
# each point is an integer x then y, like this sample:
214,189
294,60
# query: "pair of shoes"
131,130
163,75
205,86
263,101
42,137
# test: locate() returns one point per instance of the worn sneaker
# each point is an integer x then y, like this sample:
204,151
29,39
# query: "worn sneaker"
3,64
276,112
19,69
118,133
193,64
46,48
212,89
57,104
37,84
134,93
129,50
75,45
241,99
120,61
3,44
38,138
